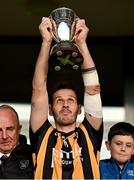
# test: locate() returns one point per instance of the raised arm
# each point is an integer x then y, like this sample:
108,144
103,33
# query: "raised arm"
92,99
39,101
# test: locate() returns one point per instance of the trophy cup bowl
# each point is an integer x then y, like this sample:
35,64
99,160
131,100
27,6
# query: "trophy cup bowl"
65,54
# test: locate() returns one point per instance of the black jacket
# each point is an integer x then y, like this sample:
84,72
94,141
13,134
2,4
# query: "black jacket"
19,164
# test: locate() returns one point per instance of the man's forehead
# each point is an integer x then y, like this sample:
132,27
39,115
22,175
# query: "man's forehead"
123,137
64,92
7,117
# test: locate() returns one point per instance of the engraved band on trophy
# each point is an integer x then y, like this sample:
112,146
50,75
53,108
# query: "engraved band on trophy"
65,54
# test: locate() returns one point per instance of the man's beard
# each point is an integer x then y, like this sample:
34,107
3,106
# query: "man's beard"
64,120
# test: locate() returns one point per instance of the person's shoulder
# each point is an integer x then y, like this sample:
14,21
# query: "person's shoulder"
27,150
105,161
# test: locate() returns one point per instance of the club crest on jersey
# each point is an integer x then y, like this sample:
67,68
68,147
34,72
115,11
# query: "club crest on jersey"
23,164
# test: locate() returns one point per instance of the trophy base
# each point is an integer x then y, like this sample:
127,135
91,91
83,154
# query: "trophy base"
65,56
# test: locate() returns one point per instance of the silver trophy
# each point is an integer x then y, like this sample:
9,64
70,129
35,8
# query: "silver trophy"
65,54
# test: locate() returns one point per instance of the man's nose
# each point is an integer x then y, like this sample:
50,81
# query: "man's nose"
123,147
65,104
4,134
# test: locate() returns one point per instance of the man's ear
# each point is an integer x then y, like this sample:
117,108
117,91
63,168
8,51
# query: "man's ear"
20,126
79,109
107,143
50,110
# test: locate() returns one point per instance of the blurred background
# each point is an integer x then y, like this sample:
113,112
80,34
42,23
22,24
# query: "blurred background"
110,40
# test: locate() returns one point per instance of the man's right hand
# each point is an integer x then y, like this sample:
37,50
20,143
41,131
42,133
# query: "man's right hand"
45,29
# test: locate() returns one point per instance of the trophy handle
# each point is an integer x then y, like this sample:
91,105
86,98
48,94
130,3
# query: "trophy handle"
54,30
74,28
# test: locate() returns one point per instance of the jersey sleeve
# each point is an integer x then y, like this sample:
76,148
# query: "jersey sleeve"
95,136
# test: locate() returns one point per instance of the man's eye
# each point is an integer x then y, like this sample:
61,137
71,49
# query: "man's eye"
59,100
10,128
70,100
129,145
118,143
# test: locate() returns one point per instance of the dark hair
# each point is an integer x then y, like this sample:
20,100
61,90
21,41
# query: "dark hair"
121,128
63,85
8,107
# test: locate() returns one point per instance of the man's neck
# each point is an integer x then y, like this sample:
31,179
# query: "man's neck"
65,128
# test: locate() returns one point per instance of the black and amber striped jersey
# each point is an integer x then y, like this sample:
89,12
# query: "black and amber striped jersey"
73,155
